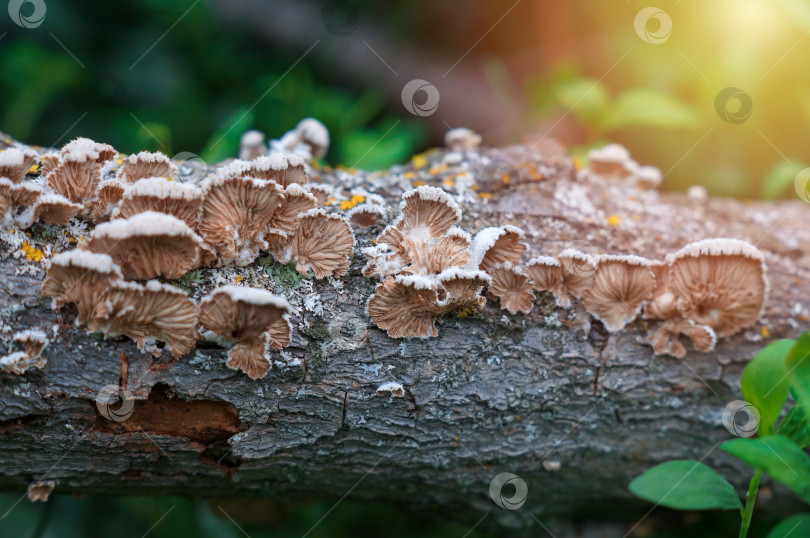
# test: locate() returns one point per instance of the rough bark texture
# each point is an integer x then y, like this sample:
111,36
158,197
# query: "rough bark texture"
549,396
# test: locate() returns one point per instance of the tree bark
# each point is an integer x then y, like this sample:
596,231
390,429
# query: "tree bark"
550,396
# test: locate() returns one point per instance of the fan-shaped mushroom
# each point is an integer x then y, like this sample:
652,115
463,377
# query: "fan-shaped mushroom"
406,306
511,286
324,243
619,288
81,277
146,164
245,315
181,200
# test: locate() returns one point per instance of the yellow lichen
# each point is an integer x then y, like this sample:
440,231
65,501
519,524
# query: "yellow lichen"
239,278
33,254
462,313
485,195
614,220
418,183
765,332
348,204
419,161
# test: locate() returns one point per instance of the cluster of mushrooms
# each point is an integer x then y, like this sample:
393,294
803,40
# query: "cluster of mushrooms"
429,267
151,223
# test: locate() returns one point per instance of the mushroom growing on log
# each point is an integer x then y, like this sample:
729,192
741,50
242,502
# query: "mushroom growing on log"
551,396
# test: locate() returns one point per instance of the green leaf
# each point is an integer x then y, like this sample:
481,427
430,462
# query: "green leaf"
780,179
796,427
587,98
777,456
647,107
798,363
686,485
792,527
765,382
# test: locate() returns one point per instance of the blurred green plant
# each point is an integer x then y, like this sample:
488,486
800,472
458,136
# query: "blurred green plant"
197,88
781,368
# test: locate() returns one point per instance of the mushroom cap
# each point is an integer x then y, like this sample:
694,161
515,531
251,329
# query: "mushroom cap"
19,362
80,277
236,213
55,209
578,268
162,195
146,164
280,332
147,245
108,194
249,356
251,145
463,287
618,290
14,163
241,313
324,243
462,139
97,151
23,194
496,245
427,211
720,283
450,250
284,168
314,134
665,337
511,286
34,342
663,304
612,160
76,177
49,163
151,311
366,215
406,306
546,274
321,191
297,200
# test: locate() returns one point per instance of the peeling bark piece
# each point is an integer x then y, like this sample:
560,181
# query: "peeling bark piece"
324,243
619,288
148,245
511,287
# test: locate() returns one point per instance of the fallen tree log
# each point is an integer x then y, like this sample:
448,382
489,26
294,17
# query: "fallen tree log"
573,411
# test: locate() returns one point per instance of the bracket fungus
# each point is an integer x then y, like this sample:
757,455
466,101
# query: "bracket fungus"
324,243
77,174
147,245
15,163
14,197
146,164
664,338
406,306
244,315
55,209
81,277
619,288
462,139
108,194
251,145
310,139
366,215
18,362
235,214
159,194
511,287
496,245
297,200
149,312
720,283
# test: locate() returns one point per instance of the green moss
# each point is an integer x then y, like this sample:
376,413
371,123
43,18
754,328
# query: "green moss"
285,276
